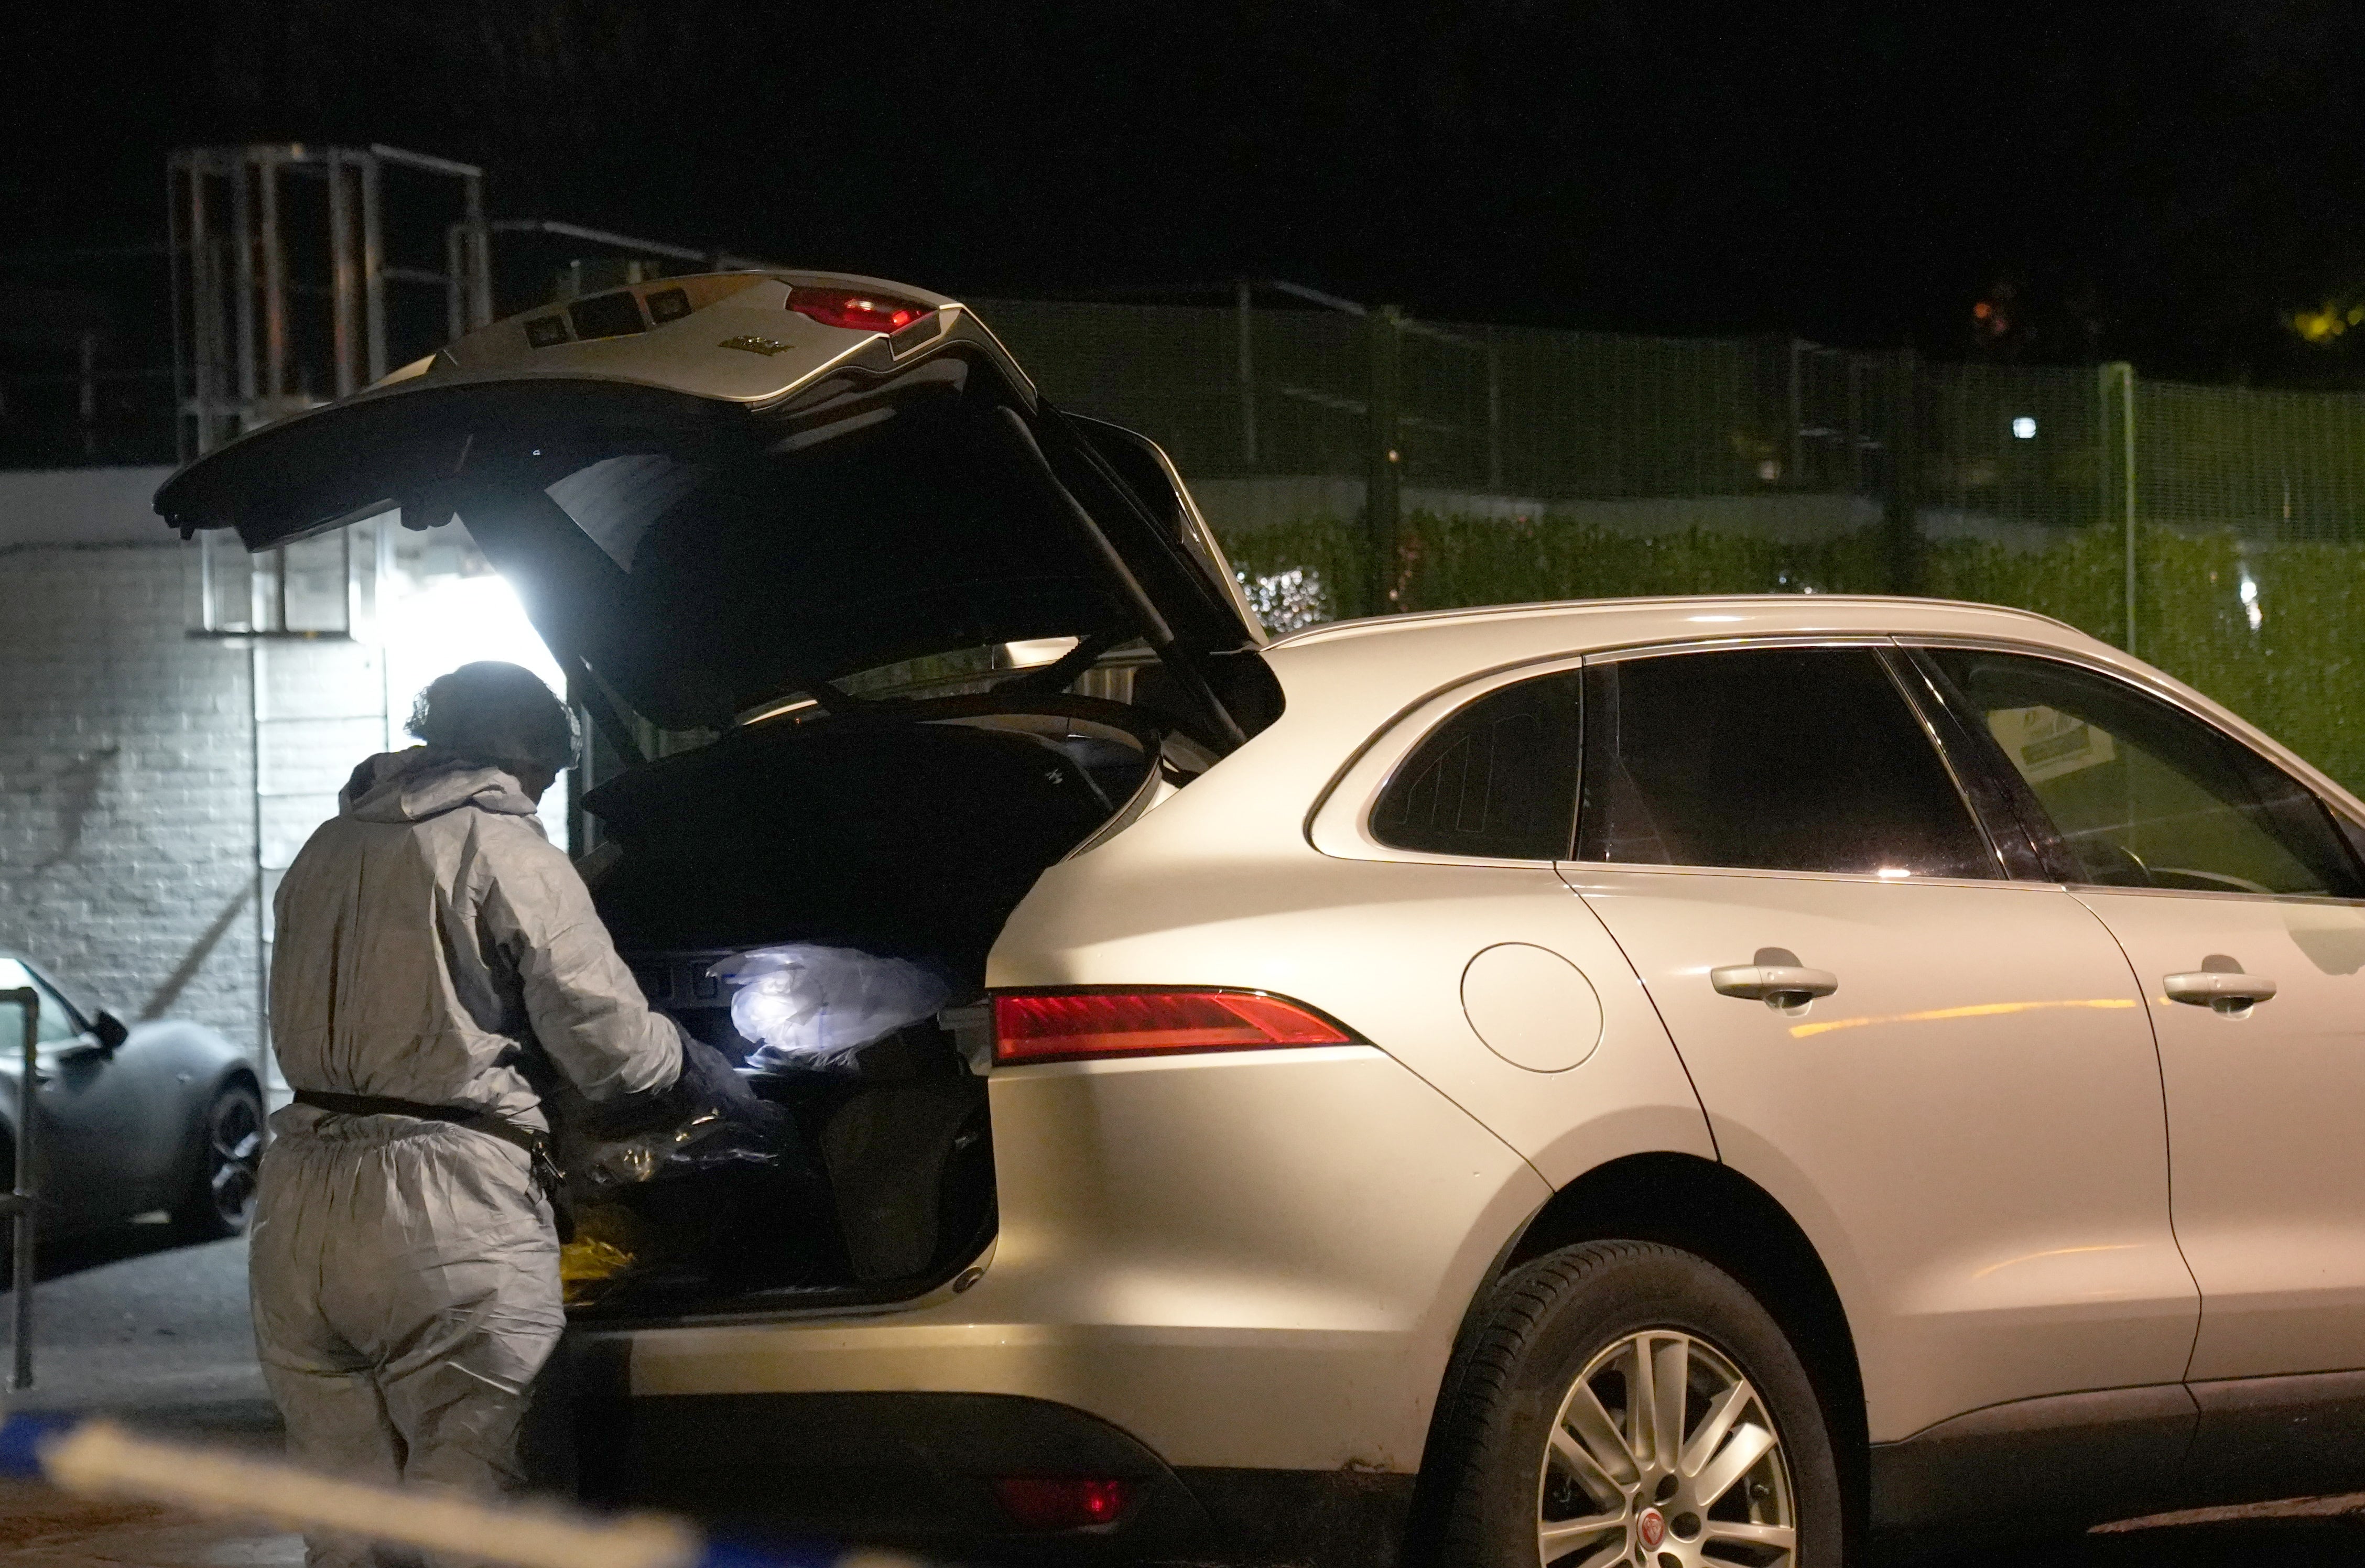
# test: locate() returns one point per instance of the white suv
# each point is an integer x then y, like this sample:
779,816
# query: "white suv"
1668,1081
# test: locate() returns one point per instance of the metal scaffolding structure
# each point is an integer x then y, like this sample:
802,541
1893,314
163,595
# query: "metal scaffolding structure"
281,271
283,259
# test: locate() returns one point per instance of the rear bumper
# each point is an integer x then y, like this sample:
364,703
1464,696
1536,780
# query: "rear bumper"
917,1470
1233,1278
1250,1261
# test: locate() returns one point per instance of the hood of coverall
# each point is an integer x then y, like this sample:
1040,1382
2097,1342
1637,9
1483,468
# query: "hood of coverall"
412,785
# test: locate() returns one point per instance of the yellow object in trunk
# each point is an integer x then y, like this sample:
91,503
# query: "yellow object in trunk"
607,1248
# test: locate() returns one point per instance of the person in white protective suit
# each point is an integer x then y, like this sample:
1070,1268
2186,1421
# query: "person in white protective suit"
437,962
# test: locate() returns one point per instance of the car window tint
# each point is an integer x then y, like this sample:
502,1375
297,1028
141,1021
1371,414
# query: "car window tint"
1789,759
55,1024
2144,794
1497,780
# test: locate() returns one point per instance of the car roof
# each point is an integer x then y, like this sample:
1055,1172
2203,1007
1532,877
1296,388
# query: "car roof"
1582,625
1360,671
1358,675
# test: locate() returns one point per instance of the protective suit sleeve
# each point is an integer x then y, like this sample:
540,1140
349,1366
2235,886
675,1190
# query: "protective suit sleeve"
586,1009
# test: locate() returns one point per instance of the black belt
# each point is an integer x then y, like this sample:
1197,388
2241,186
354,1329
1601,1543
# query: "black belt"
547,1174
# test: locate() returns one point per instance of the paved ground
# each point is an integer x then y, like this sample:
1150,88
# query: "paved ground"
130,1322
40,1529
131,1325
2326,1534
156,1335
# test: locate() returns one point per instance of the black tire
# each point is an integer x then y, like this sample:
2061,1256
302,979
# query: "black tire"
220,1198
1492,1483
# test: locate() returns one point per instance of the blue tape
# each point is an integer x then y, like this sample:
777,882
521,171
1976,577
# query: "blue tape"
23,1435
749,1554
21,1438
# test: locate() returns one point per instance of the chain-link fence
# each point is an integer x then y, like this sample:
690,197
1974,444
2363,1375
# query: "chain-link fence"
2219,531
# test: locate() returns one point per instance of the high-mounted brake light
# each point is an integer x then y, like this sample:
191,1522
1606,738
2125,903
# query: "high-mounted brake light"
1064,1025
857,312
1062,1502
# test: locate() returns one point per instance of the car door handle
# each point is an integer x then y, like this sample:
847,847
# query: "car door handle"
2219,991
1777,985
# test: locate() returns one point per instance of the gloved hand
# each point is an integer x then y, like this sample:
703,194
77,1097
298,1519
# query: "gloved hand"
706,1119
704,1089
709,1082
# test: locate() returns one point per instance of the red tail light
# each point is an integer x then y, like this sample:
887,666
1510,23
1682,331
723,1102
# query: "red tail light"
1062,1025
855,312
1062,1502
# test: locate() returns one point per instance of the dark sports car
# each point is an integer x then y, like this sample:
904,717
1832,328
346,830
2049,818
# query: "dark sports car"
133,1117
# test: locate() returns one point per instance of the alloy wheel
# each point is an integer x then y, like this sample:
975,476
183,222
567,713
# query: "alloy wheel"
1662,1455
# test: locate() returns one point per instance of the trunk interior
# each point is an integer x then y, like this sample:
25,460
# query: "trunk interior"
902,829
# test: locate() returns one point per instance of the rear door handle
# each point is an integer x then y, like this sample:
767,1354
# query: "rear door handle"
2232,994
1777,985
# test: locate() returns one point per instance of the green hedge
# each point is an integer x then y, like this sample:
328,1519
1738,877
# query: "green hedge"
2299,674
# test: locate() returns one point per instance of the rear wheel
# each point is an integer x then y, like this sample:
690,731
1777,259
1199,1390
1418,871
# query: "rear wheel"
220,1199
1626,1402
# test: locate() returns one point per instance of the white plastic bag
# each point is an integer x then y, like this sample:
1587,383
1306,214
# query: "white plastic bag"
807,1005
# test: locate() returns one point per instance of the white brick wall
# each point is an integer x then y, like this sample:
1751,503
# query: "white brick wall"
126,808
127,788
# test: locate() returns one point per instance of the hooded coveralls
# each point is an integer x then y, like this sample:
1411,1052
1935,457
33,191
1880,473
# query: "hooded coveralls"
405,1272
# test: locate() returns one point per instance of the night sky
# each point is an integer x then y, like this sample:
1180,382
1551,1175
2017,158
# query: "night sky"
2165,181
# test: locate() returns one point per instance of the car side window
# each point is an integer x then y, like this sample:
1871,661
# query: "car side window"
1787,759
56,1024
1496,780
2144,794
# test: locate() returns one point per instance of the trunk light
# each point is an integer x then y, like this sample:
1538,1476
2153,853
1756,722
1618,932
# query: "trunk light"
1063,1025
1062,1502
857,312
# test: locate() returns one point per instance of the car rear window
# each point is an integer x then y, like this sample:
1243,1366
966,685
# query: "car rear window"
1496,780
1786,759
